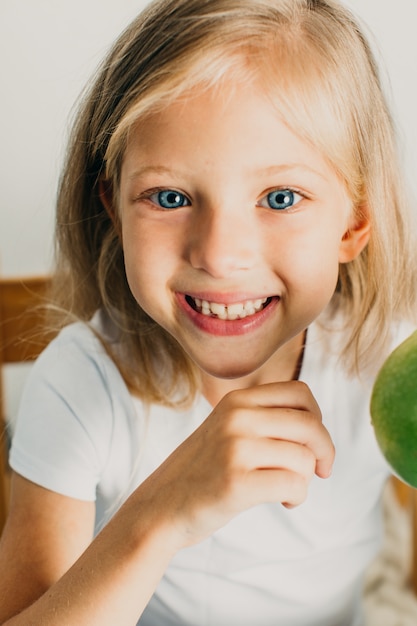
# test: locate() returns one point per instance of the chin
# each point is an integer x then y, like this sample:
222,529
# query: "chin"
227,371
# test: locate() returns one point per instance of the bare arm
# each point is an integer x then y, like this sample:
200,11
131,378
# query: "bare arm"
112,580
262,444
32,553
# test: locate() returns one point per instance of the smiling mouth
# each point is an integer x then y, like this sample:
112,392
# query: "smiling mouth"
229,312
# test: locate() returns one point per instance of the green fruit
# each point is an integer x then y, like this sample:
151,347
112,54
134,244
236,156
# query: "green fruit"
394,410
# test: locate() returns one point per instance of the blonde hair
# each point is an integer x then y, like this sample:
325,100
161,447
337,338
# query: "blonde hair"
318,69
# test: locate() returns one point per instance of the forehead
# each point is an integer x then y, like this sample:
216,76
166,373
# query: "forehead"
229,129
300,90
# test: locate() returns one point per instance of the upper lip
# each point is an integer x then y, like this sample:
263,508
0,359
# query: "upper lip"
226,298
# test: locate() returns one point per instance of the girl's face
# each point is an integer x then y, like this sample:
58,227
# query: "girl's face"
233,228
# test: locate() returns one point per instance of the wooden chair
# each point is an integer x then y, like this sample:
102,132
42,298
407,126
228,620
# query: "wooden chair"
22,337
407,497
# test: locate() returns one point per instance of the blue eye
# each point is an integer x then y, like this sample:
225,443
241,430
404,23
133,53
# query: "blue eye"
169,199
281,199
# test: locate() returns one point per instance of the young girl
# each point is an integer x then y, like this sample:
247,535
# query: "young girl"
234,252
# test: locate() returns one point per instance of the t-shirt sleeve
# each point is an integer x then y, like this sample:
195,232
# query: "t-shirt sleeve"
64,424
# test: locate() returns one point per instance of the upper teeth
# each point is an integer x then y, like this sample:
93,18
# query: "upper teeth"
237,310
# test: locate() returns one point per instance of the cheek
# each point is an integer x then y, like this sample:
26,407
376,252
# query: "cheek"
149,262
311,251
138,259
321,268
308,265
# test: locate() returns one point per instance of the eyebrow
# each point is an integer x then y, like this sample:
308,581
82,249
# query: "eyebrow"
154,169
270,170
291,167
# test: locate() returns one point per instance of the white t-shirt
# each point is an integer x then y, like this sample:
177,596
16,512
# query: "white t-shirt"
82,434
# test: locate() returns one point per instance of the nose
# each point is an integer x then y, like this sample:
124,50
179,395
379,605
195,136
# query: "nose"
222,242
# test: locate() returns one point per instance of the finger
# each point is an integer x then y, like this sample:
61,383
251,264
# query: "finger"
298,426
279,454
292,394
275,485
296,408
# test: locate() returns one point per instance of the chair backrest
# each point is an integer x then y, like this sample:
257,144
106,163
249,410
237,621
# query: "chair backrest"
23,336
407,498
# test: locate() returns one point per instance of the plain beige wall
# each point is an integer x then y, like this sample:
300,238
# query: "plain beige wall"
48,49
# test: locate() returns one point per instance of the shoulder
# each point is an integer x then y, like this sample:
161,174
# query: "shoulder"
74,401
326,343
78,338
77,356
76,374
400,332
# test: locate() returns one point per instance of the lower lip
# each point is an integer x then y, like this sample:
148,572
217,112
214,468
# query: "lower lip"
223,328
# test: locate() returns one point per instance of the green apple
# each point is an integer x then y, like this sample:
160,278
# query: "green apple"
394,410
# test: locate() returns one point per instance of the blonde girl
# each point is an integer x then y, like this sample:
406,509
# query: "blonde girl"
235,258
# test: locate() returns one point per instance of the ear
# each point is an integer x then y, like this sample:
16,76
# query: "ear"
355,239
106,195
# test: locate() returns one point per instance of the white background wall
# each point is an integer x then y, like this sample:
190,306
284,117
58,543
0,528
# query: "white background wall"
49,48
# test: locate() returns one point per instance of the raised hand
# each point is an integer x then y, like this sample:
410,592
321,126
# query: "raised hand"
261,444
